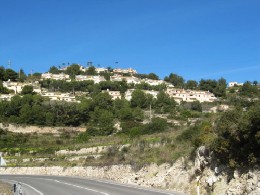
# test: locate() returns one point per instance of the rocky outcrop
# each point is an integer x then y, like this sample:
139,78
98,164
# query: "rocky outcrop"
175,177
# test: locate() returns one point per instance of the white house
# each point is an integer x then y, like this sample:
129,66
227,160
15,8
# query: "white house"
96,79
232,84
113,94
15,86
153,82
116,77
6,97
128,93
60,96
99,70
152,92
128,79
190,95
60,76
125,71
18,87
133,80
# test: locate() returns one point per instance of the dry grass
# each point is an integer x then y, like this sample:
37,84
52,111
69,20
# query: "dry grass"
5,188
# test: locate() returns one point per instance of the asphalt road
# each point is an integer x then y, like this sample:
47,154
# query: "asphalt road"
55,185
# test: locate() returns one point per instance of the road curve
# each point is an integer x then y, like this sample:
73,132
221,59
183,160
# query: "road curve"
56,185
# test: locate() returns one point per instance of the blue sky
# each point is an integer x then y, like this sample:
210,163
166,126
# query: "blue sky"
194,39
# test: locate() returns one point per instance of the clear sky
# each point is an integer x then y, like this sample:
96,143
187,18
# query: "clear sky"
192,38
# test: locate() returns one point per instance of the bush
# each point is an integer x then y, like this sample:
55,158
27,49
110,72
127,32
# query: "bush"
82,137
156,125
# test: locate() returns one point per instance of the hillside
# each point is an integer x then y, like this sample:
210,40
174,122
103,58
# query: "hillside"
156,127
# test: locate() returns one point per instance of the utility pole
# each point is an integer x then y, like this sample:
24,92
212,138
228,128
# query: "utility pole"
150,113
198,185
9,63
20,73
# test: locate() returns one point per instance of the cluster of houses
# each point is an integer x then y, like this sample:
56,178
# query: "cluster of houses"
177,94
116,77
17,88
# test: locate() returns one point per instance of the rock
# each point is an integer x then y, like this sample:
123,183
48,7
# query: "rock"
203,158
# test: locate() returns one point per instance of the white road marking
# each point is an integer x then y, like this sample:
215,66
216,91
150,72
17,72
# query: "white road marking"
13,181
33,188
81,187
123,185
131,186
89,189
113,183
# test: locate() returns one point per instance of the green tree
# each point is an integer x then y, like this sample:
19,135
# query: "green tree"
21,76
196,105
50,119
138,114
26,114
2,73
27,89
164,103
54,70
3,89
220,90
91,71
38,114
103,101
10,74
208,85
103,122
255,83
139,99
249,90
73,70
176,80
191,84
156,125
126,113
35,76
153,76
238,141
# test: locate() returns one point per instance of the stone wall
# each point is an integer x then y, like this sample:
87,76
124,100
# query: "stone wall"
36,129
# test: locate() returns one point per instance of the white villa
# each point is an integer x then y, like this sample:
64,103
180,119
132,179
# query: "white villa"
232,84
152,92
96,79
60,76
128,93
190,95
15,86
125,71
113,94
60,96
99,70
128,79
6,97
18,87
153,82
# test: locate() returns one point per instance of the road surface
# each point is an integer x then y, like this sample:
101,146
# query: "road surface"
55,185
